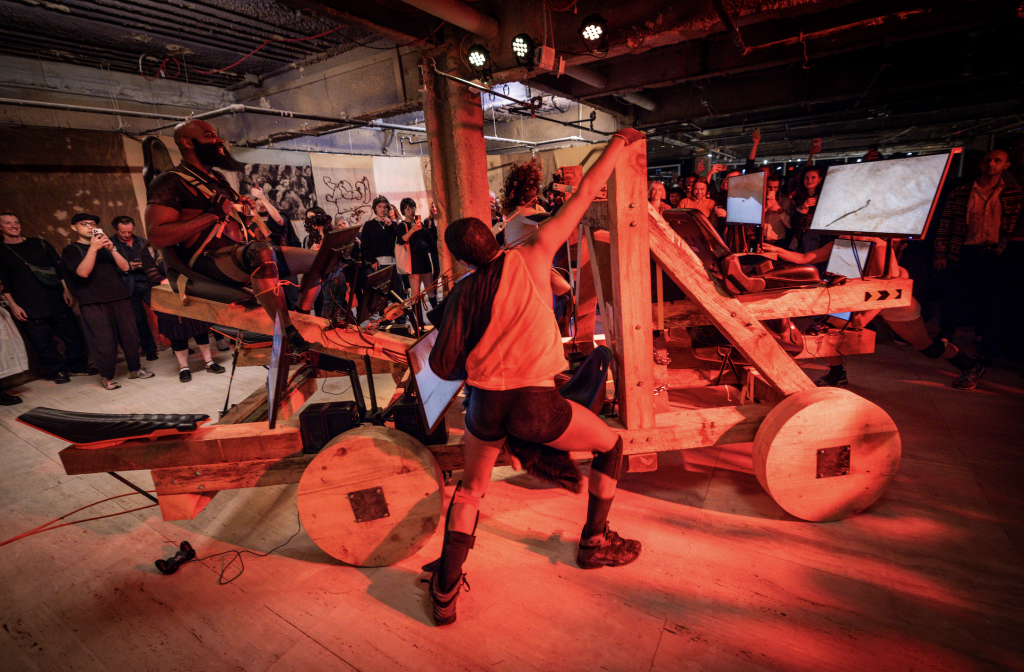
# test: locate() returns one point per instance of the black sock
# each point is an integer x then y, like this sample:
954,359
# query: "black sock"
453,555
597,514
962,361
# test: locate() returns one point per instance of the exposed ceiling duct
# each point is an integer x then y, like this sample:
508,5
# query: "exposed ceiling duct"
460,15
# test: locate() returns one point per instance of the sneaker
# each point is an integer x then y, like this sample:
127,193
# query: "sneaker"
87,371
214,367
184,375
968,380
830,379
110,384
607,549
9,399
151,356
61,377
444,602
141,373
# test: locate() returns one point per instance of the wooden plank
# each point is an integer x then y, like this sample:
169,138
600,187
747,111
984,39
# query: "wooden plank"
212,444
230,476
730,316
641,462
601,267
631,286
797,302
849,342
339,342
184,506
249,409
697,428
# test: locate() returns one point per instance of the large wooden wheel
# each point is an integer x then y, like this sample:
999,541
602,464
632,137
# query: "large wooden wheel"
825,454
372,497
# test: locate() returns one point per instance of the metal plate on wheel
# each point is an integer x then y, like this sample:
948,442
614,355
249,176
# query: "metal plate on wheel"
833,461
369,504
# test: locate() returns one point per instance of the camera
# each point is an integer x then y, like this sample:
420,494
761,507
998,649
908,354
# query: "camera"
315,223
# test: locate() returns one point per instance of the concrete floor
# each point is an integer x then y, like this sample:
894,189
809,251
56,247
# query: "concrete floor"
929,578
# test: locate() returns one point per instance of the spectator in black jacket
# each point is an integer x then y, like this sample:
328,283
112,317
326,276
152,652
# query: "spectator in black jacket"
33,278
130,246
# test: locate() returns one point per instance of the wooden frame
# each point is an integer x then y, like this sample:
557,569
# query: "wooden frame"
241,452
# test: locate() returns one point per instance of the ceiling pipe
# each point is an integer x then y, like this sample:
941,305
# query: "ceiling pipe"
90,110
639,100
458,14
587,76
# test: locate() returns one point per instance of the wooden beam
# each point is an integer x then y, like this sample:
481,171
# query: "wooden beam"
631,286
801,301
230,476
695,428
184,506
730,316
207,445
338,342
848,342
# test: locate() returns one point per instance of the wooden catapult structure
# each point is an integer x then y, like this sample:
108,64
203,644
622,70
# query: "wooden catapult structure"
373,495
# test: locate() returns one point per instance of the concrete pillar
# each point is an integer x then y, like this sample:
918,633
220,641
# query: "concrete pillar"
458,157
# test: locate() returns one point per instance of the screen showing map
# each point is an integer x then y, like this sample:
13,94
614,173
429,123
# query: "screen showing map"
745,201
880,198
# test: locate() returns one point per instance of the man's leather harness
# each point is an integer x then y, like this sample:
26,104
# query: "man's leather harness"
189,177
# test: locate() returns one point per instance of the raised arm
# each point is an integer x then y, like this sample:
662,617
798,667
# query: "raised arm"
553,232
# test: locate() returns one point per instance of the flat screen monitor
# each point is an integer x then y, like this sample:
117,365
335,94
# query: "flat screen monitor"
892,199
849,258
435,395
375,294
744,204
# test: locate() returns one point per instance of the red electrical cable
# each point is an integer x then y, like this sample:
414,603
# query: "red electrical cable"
45,527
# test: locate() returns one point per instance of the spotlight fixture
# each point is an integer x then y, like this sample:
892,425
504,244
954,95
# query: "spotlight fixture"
479,58
524,49
594,32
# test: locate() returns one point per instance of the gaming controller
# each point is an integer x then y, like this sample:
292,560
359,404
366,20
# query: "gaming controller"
834,279
185,554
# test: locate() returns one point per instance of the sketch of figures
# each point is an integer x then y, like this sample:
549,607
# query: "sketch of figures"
289,188
350,200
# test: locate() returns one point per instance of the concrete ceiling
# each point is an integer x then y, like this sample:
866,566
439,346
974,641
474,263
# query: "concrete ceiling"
903,73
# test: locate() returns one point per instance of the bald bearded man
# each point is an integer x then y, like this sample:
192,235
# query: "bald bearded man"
192,208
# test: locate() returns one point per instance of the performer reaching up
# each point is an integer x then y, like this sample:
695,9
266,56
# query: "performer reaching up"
499,333
193,208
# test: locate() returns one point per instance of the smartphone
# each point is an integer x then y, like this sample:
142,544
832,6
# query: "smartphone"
97,232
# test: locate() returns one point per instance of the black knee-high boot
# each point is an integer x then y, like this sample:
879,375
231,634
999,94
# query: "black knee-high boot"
446,578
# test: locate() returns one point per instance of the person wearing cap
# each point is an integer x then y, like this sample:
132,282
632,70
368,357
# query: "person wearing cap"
95,268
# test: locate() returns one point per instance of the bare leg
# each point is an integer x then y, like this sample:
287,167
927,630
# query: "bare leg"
182,357
586,431
476,477
204,350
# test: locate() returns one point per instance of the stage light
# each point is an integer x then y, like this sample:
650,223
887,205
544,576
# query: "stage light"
709,155
524,49
478,57
594,32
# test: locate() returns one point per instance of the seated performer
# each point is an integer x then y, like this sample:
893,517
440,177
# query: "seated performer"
905,322
193,208
498,332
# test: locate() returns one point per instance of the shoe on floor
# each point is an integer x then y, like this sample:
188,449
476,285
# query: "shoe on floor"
443,602
607,549
968,380
9,399
184,375
87,371
61,377
110,384
141,373
151,356
833,379
214,367
223,346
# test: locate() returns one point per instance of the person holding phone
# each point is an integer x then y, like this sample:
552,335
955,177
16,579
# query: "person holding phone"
130,246
421,269
95,268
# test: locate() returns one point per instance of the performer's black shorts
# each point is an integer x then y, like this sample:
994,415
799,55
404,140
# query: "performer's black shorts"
206,265
537,414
